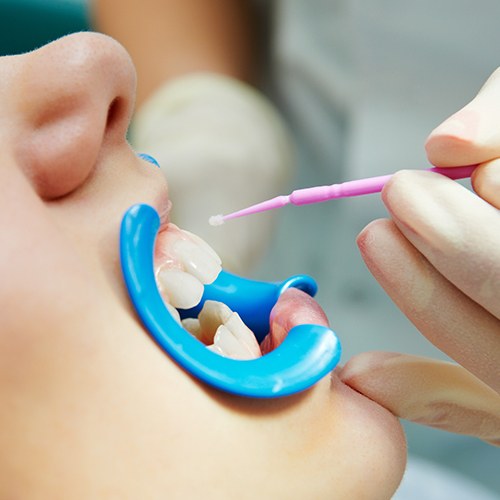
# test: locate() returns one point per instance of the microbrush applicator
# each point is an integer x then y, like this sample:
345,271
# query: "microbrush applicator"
319,194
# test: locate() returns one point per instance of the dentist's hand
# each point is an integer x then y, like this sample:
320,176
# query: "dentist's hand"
439,260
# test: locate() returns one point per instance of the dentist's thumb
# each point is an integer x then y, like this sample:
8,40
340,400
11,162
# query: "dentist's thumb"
470,136
433,393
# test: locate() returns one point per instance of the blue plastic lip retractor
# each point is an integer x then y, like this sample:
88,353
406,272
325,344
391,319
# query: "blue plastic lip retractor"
308,353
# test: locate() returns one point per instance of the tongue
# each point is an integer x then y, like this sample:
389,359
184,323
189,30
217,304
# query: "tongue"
293,308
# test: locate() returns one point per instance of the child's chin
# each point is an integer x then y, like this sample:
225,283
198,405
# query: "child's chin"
377,441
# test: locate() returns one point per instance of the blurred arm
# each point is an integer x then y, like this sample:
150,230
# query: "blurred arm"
169,38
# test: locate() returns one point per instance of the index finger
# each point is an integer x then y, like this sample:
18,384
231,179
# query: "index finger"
457,231
449,319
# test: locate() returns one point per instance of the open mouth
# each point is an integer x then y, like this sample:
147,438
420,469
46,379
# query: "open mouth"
184,264
166,270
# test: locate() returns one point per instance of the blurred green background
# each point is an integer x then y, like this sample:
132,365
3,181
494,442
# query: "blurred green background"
28,24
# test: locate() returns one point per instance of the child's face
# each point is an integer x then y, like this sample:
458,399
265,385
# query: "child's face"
90,407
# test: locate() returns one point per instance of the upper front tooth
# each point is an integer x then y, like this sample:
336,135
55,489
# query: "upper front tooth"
173,312
196,260
182,290
203,244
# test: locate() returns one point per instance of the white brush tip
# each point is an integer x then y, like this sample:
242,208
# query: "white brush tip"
216,220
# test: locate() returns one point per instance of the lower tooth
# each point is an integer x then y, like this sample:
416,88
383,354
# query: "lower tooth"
215,349
229,345
223,331
211,317
243,334
192,325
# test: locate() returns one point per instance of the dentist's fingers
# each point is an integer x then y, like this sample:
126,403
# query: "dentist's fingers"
451,320
471,135
429,392
457,231
486,182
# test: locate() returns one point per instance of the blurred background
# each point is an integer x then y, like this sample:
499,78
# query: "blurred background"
27,24
350,296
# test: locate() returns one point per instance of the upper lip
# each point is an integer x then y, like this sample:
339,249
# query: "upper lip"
164,213
163,205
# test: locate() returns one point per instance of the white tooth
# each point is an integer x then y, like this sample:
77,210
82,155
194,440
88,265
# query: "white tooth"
192,325
243,334
218,324
181,289
196,260
173,312
215,349
211,317
229,345
204,244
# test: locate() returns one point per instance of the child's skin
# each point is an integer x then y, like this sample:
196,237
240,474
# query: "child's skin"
90,407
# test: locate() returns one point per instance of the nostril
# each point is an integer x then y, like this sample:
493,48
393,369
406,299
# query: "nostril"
116,111
84,104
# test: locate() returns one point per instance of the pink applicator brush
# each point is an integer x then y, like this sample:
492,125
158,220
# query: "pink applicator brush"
319,194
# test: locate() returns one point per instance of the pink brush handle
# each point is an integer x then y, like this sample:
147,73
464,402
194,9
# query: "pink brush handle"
351,188
363,186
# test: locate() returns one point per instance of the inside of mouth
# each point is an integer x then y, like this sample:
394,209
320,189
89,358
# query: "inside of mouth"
223,331
183,265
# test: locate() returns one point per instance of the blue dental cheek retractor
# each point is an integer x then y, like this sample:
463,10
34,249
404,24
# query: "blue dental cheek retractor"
308,353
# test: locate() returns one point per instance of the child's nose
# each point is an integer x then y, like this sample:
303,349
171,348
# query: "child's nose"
76,98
